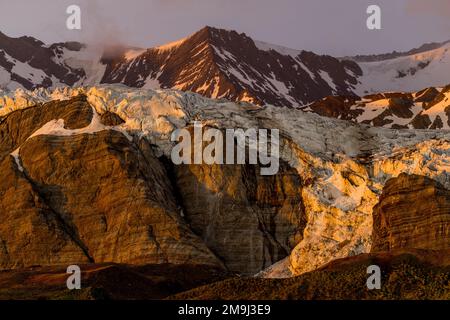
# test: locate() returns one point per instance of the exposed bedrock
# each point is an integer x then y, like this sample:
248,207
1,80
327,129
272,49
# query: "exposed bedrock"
87,198
250,221
413,213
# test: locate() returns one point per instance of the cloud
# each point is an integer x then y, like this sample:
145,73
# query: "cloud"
99,28
439,8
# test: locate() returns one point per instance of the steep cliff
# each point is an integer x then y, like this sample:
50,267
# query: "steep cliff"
413,212
93,174
76,191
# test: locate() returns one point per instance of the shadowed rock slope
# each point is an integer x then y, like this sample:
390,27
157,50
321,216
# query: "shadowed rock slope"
106,281
404,277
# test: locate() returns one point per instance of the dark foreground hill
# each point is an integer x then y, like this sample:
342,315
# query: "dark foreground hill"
407,275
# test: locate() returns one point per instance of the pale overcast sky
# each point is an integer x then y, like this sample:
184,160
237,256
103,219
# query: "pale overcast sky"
336,27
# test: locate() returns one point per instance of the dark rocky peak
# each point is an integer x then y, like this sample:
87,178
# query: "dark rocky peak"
20,55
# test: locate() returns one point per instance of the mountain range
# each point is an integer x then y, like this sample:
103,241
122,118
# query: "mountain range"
218,63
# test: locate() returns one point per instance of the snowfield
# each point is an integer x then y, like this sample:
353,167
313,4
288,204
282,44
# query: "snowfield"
407,74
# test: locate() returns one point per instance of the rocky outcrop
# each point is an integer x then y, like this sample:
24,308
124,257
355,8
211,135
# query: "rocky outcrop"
426,109
110,168
250,221
334,107
414,213
18,126
94,197
98,195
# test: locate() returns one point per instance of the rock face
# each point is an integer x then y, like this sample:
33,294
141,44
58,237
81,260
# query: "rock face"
95,197
425,109
248,220
88,179
413,213
18,126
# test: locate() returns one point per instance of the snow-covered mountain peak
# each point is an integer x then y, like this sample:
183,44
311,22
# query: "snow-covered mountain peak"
406,73
220,63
